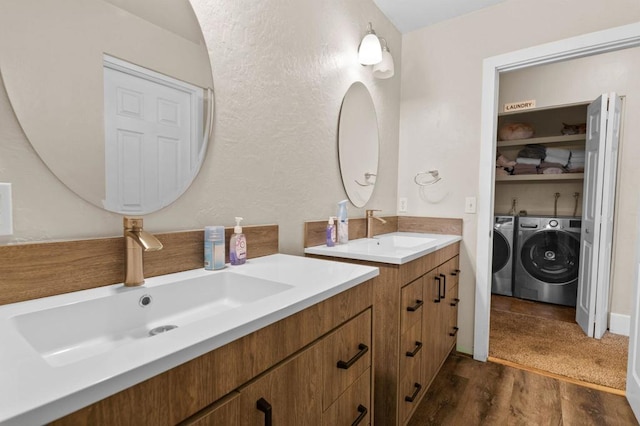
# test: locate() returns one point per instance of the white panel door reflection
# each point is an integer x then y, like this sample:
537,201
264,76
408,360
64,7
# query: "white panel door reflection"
148,141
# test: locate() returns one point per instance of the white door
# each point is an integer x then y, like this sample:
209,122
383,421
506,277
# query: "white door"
603,118
148,138
633,363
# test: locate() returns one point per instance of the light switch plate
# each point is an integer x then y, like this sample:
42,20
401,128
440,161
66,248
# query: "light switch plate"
6,220
470,205
402,205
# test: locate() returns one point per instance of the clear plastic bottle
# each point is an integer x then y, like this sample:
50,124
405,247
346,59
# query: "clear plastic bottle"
238,245
213,247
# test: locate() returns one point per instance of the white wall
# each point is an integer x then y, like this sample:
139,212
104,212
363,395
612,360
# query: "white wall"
280,71
585,79
440,109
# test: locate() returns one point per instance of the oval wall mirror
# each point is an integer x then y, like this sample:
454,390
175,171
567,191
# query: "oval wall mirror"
358,144
114,95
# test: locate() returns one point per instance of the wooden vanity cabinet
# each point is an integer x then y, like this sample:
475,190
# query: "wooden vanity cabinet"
413,334
311,368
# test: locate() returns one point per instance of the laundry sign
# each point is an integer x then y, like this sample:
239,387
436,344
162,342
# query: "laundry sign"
517,106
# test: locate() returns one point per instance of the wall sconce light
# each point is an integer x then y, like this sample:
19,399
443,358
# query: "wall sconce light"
370,51
384,68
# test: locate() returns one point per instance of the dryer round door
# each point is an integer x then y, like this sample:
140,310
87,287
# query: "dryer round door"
551,256
501,251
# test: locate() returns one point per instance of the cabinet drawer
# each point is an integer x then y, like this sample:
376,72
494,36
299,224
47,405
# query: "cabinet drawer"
411,304
411,348
354,405
411,390
224,412
346,354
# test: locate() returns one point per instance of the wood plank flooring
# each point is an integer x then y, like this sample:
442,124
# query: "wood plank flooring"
467,392
536,309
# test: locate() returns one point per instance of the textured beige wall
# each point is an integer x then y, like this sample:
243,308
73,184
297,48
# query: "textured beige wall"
440,109
585,79
280,71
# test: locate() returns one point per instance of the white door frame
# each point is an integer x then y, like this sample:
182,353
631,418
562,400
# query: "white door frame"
609,40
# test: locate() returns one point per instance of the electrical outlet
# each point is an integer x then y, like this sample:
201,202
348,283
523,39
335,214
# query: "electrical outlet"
6,221
470,205
402,205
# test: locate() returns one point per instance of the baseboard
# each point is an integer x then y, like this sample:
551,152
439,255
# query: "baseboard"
619,324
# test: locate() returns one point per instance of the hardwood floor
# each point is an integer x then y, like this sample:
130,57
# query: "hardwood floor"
467,392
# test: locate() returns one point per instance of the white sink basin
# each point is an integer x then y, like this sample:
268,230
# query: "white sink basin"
396,247
72,332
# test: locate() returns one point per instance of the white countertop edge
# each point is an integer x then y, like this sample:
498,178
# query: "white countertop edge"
442,241
41,412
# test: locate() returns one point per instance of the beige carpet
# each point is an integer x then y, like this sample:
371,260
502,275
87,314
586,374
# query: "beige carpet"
559,347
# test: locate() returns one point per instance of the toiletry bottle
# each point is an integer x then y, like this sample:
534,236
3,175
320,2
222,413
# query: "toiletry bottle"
331,232
343,223
238,245
213,247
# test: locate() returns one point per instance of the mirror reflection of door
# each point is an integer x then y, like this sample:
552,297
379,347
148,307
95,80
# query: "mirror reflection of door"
151,137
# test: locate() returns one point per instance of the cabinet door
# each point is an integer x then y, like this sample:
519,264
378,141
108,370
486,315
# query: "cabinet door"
431,325
287,395
451,305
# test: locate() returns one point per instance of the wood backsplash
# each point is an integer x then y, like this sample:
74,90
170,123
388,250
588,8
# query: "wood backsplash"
315,231
30,271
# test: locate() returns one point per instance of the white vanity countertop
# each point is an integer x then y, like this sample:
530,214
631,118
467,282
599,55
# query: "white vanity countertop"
396,248
32,391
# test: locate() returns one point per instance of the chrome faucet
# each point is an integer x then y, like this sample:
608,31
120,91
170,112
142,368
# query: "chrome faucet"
370,216
136,240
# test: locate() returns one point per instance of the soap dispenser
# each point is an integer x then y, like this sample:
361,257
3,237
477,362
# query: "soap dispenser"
238,245
331,232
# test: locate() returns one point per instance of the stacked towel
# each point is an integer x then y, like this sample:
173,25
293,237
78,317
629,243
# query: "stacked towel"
532,151
550,168
576,161
525,169
528,161
558,156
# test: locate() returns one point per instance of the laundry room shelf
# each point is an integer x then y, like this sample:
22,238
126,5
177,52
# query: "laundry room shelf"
544,140
538,178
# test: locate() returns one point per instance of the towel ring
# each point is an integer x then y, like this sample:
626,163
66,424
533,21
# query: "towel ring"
367,176
435,175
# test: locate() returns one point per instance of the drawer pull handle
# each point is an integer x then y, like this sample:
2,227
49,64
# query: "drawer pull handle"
265,407
439,285
454,332
444,286
455,302
416,306
363,413
411,398
415,351
347,364
455,272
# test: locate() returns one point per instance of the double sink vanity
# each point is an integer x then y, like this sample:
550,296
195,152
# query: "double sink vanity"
283,339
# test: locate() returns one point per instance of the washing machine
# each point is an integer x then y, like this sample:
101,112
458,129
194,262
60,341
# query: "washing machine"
547,259
503,248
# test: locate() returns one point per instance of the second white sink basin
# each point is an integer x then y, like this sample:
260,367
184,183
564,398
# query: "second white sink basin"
396,247
72,332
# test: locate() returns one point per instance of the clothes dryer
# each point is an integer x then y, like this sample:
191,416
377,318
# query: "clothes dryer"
503,248
547,259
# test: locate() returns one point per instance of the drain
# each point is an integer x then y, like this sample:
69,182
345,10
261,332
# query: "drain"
161,329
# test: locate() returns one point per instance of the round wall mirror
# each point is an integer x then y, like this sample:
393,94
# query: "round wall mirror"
114,95
358,144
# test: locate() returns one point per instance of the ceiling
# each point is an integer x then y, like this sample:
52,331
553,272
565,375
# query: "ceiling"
409,15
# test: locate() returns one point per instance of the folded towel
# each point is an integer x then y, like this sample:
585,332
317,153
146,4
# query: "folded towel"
559,154
546,165
577,153
525,169
501,172
503,161
558,160
553,171
531,161
579,169
532,151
